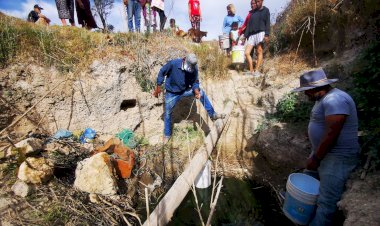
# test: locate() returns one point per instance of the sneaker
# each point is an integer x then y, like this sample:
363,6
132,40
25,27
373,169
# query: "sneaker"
256,74
248,73
217,116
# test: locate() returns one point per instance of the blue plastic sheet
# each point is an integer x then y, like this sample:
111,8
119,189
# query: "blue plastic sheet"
62,133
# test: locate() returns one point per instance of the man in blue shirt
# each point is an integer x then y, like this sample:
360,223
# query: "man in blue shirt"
333,130
181,81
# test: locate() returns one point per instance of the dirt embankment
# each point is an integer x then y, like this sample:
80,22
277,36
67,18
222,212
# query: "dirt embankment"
109,95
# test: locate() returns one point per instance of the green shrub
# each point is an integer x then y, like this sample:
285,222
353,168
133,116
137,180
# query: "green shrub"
291,108
367,97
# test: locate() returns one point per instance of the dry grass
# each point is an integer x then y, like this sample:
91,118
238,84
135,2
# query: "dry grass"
72,49
337,25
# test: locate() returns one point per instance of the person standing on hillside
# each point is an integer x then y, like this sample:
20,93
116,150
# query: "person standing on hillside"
133,12
37,17
65,11
159,7
256,33
181,81
248,52
84,14
195,14
333,130
229,20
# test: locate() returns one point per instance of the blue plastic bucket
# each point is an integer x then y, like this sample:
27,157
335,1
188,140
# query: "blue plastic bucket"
301,198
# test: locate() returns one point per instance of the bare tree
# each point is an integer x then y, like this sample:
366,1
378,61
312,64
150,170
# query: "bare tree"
102,8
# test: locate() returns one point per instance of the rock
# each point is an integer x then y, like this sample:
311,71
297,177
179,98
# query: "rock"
283,145
31,145
94,198
95,175
361,201
35,170
4,203
22,189
125,158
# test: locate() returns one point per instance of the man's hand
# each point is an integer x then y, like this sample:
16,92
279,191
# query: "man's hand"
312,163
197,93
157,91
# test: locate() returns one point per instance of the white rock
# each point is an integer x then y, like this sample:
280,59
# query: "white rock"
95,175
94,198
20,188
5,202
32,145
35,170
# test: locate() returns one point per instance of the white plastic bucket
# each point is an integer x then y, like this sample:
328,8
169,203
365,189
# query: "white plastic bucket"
238,56
224,41
301,198
203,180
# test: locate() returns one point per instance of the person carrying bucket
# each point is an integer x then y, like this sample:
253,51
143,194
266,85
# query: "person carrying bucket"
229,19
332,130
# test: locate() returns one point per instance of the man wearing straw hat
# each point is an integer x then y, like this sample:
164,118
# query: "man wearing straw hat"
332,130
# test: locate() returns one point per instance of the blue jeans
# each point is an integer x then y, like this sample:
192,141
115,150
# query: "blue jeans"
333,173
134,10
171,100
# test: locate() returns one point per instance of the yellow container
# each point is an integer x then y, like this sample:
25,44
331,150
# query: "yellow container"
238,56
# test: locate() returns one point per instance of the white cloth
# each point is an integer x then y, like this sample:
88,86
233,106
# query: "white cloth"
255,39
158,4
234,35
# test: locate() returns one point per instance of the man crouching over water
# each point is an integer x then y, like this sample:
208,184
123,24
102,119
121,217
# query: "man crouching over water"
333,130
181,81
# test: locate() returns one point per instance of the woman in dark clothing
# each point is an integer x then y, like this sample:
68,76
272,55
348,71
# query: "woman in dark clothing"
257,32
84,14
65,11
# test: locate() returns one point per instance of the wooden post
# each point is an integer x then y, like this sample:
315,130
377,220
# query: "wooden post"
173,198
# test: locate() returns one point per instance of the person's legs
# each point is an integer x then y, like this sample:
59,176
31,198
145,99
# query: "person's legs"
259,49
161,13
63,22
144,15
247,52
193,23
137,15
171,100
333,173
204,100
130,15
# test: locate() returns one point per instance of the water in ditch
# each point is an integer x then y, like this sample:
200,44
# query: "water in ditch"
240,203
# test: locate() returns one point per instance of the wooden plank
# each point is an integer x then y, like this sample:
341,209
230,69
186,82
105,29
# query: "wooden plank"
173,198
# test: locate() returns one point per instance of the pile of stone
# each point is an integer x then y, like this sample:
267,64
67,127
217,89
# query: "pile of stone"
97,174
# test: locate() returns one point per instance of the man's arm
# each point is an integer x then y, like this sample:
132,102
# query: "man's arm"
195,85
334,125
164,71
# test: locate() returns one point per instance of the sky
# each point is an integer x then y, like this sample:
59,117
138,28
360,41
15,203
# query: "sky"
213,12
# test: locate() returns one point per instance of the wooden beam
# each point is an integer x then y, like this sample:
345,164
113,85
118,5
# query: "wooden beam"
173,198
